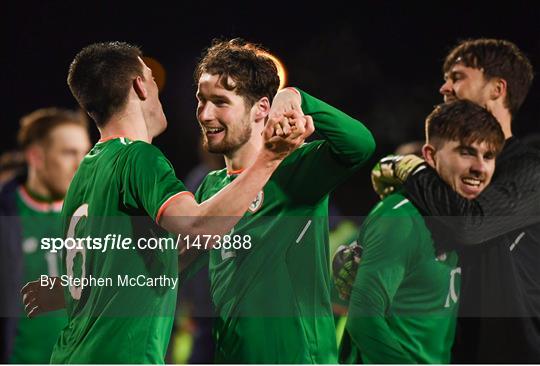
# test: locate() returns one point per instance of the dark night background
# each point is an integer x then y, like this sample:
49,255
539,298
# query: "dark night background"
380,62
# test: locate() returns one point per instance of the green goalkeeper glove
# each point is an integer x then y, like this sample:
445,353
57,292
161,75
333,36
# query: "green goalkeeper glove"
392,171
344,267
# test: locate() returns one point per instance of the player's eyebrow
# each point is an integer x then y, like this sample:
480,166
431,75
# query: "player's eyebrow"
213,97
220,97
469,149
490,154
454,74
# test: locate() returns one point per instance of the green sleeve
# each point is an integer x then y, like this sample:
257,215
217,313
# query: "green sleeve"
382,268
346,145
147,180
348,139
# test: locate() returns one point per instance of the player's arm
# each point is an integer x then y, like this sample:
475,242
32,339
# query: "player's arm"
346,145
220,213
350,141
510,202
380,274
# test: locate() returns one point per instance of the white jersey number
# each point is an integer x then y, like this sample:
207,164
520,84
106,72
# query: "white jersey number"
79,213
452,296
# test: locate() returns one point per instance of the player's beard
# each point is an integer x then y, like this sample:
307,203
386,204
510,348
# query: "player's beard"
56,185
234,139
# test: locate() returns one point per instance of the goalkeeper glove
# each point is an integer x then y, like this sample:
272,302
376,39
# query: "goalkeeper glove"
392,171
344,267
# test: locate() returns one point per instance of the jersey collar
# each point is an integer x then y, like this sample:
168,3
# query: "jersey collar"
37,203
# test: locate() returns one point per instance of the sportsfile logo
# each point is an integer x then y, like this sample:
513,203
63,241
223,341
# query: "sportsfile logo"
120,242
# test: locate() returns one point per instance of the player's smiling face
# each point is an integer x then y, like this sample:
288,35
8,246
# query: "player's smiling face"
466,168
463,82
223,116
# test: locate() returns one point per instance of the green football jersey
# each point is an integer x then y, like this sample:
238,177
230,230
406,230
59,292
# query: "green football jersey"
39,219
119,189
271,284
403,304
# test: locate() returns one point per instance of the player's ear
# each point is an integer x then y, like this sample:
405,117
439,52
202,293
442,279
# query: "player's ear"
138,86
262,108
34,155
428,152
498,88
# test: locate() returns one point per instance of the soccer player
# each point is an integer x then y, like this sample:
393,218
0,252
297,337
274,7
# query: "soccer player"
497,234
403,303
272,299
54,142
125,187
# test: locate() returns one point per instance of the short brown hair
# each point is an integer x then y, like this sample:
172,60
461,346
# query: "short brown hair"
466,122
36,126
101,76
255,75
497,58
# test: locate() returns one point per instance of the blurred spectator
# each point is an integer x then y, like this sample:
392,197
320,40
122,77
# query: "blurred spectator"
12,163
54,142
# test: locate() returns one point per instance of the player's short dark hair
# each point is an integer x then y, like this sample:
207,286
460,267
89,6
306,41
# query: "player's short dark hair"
466,122
497,58
255,75
36,126
101,76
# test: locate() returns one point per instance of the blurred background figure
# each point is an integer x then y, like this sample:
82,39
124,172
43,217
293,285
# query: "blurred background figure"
12,163
53,141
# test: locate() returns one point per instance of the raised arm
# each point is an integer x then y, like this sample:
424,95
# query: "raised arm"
510,202
345,146
350,141
217,215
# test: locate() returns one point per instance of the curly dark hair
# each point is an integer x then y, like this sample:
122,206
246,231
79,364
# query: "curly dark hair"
242,67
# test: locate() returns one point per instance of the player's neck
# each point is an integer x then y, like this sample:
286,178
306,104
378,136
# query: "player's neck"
503,116
128,123
37,189
505,120
245,156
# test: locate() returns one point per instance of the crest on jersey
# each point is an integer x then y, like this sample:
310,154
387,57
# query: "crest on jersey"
256,203
441,257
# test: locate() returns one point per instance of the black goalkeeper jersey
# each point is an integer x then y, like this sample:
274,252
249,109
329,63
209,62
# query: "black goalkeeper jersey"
499,249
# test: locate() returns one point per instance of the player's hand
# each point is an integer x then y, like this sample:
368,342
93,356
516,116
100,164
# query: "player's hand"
392,171
383,180
285,133
286,100
344,267
39,299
